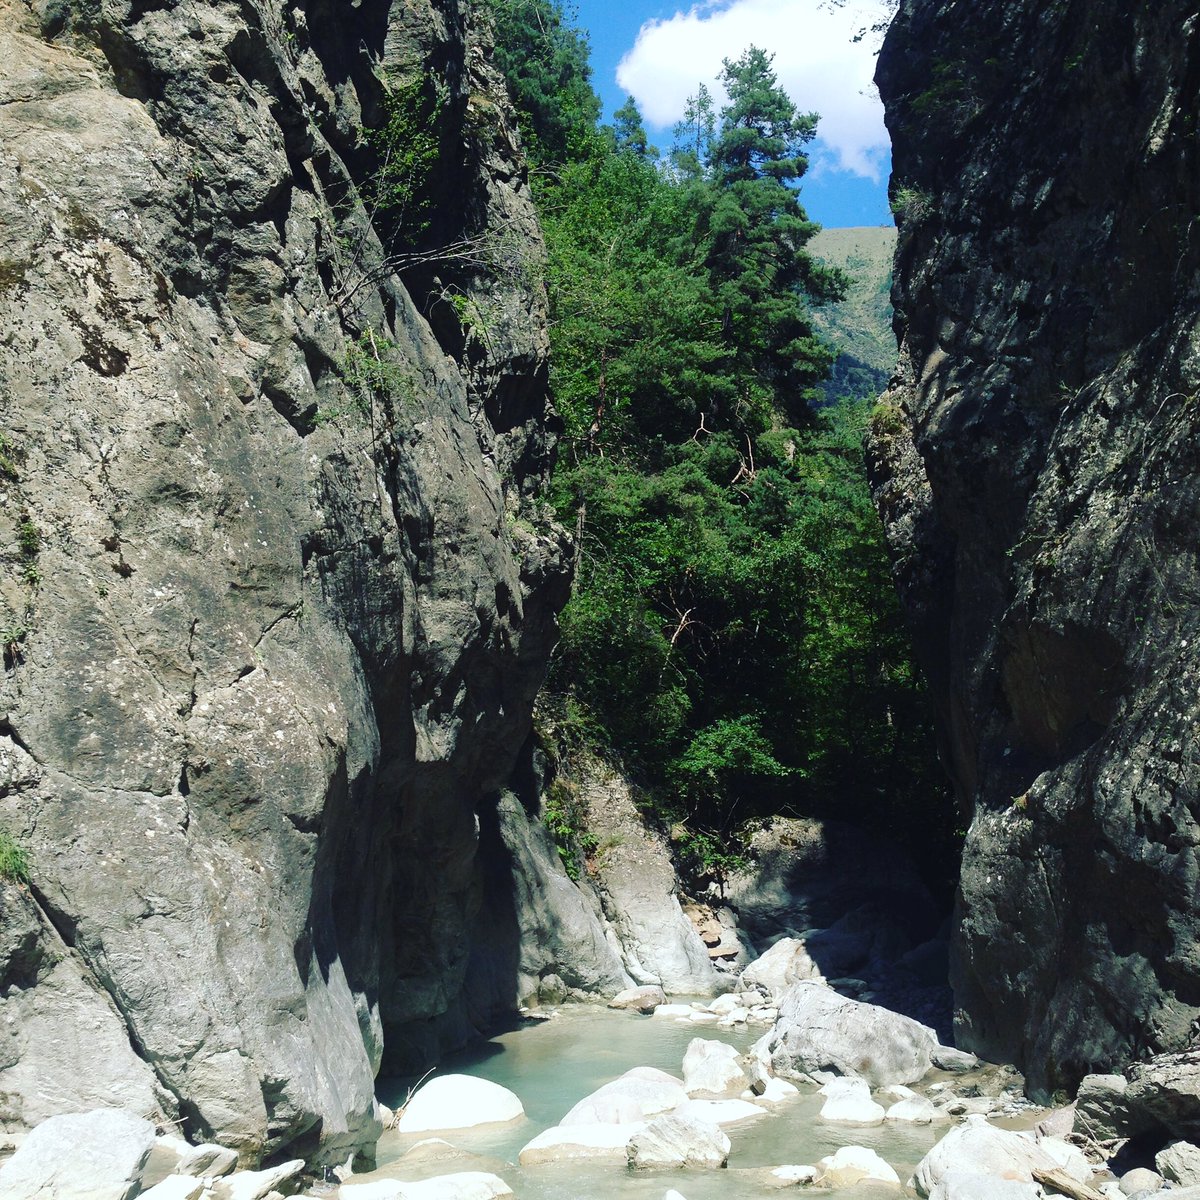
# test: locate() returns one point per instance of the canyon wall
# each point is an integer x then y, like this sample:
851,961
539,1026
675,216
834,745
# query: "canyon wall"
1035,464
278,585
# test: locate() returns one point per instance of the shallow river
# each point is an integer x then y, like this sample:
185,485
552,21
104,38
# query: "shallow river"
553,1064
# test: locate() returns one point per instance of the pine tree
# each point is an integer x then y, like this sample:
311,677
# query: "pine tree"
757,230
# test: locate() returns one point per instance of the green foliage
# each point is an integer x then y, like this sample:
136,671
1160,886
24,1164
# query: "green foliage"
14,862
564,817
406,146
544,59
373,371
730,563
10,457
912,204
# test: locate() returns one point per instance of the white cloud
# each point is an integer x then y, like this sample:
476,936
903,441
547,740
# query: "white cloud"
819,64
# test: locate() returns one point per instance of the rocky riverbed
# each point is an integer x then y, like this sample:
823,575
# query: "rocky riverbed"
753,1092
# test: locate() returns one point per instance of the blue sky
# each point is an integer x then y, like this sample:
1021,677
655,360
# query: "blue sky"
663,51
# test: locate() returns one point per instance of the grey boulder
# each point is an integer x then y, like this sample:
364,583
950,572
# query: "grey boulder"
1180,1163
678,1141
820,1031
713,1068
98,1155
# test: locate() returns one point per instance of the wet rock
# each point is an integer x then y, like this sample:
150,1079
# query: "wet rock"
796,1174
99,1155
638,1094
712,1068
818,1030
854,1164
678,1141
458,1102
639,999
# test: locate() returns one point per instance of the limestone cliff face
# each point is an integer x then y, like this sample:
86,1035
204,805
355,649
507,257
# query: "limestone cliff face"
278,590
1036,467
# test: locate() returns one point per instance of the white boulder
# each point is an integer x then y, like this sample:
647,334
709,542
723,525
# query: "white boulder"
464,1185
970,1185
257,1185
639,999
638,1094
563,1143
916,1110
977,1148
677,1140
176,1187
98,1155
775,1091
854,1164
848,1101
785,963
209,1160
458,1102
673,1010
713,1068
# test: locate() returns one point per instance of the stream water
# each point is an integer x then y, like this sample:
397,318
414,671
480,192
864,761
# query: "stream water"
553,1064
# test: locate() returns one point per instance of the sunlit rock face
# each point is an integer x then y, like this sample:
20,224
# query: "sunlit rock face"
279,588
1035,464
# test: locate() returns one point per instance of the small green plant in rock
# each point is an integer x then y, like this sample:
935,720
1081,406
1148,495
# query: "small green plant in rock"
14,862
912,204
563,816
10,455
407,145
371,372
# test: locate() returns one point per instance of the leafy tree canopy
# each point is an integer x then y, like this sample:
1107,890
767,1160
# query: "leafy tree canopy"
733,633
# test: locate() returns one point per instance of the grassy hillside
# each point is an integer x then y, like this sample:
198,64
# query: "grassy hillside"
861,325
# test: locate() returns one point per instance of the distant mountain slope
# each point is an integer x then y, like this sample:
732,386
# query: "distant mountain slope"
861,325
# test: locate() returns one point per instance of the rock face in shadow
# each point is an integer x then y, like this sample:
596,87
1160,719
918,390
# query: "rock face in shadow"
1035,464
278,586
